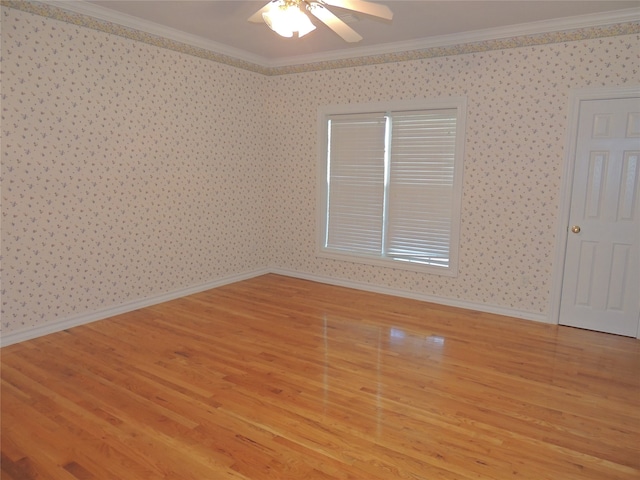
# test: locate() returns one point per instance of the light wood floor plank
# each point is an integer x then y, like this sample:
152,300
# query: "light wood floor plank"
280,378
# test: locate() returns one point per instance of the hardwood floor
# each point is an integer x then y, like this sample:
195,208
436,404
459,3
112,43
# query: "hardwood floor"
279,378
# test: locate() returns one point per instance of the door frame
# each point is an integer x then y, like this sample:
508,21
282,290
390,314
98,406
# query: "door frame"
576,97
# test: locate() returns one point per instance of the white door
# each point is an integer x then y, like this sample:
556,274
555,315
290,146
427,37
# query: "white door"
601,282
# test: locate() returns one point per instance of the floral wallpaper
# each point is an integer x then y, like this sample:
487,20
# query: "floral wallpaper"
130,169
127,170
516,131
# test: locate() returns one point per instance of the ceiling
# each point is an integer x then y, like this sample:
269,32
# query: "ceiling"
222,26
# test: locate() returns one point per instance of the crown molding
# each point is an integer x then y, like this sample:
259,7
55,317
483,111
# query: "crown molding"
82,7
492,34
80,12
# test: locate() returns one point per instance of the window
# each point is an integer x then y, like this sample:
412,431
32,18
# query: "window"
390,184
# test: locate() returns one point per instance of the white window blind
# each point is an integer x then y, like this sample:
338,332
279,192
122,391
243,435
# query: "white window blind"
356,176
392,187
421,186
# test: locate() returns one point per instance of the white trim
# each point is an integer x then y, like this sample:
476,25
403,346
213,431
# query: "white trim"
459,101
452,302
453,39
576,96
57,326
533,28
82,7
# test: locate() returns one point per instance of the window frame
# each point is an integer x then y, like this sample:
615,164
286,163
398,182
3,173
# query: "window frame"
324,112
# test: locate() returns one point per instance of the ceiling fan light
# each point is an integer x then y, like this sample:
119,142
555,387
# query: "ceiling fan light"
286,19
274,21
304,25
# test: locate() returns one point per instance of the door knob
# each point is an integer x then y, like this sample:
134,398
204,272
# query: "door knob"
575,229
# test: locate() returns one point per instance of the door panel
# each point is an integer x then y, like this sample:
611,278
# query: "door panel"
601,283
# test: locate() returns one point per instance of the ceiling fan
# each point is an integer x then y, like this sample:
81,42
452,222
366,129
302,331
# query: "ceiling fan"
288,16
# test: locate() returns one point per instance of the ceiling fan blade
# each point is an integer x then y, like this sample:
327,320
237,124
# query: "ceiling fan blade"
375,9
257,17
334,23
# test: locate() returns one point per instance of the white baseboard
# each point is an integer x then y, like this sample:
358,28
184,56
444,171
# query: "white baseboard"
452,302
58,326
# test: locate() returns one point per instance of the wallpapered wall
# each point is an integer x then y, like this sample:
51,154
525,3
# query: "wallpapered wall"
516,131
127,170
130,170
